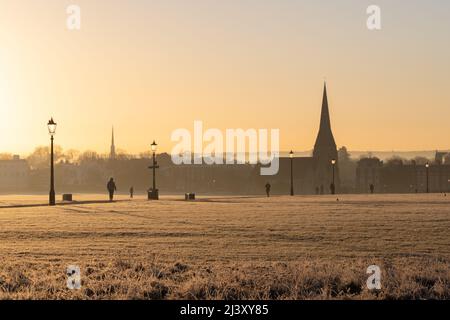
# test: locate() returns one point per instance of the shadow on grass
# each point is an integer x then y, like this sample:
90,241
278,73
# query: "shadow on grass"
36,205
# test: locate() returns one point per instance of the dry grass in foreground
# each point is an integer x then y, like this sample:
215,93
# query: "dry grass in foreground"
311,279
303,247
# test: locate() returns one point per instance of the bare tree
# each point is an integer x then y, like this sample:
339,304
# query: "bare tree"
89,156
6,156
71,155
40,158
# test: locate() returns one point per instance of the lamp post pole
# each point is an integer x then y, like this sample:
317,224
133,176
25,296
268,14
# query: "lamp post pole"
154,194
52,199
427,166
154,170
52,130
333,186
291,156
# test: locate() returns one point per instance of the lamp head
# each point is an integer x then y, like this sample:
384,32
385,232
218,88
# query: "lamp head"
154,146
51,127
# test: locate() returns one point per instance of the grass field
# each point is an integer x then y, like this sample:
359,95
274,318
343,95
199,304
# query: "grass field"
303,247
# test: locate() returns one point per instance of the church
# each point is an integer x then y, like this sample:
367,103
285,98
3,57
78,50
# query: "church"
312,175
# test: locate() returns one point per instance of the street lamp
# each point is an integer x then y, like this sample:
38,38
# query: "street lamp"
154,146
52,131
153,194
333,186
291,156
427,166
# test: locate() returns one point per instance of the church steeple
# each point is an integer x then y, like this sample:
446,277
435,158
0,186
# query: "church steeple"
325,138
325,151
112,154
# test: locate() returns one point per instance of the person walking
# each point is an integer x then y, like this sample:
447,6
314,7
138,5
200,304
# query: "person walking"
372,188
332,188
131,192
111,186
268,186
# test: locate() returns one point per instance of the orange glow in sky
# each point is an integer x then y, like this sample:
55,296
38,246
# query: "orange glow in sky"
150,67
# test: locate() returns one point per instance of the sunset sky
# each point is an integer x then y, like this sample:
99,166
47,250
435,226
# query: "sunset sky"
150,67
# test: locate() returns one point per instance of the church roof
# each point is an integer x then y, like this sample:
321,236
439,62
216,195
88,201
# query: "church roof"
325,136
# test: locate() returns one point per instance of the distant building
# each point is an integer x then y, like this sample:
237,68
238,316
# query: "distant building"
312,174
68,175
368,172
112,153
398,177
438,177
442,157
304,177
14,174
325,149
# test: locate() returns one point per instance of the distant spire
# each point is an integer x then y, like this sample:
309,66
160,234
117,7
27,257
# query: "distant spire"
325,136
112,154
325,116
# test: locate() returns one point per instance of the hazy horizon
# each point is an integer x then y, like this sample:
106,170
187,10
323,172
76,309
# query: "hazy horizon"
354,154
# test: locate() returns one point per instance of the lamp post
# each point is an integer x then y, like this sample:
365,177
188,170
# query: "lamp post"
291,156
153,194
333,186
427,166
52,130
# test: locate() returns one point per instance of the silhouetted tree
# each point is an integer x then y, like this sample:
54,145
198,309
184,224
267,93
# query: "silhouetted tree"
71,155
347,170
447,159
123,155
145,155
89,156
343,155
421,160
6,156
40,158
395,161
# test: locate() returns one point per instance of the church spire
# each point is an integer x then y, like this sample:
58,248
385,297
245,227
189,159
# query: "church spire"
325,137
325,116
112,154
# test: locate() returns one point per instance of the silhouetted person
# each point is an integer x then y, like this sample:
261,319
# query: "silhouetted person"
111,186
317,190
372,188
268,186
131,192
332,188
